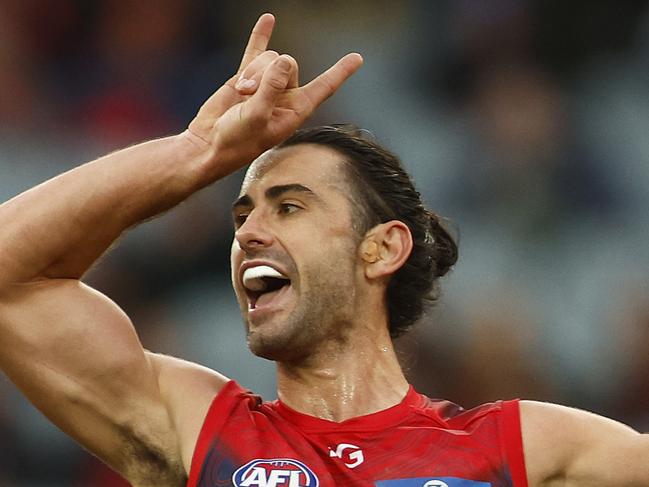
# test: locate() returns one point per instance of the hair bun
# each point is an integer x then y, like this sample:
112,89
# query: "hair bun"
445,245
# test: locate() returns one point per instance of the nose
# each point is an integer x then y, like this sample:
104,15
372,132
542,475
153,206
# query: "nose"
253,233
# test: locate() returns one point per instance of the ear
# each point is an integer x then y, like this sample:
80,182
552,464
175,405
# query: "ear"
385,249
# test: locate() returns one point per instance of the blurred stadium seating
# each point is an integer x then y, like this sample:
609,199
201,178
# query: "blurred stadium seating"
524,122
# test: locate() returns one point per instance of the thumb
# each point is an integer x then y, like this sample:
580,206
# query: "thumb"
273,83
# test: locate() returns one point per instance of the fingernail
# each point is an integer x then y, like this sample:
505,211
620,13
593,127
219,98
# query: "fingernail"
246,84
239,82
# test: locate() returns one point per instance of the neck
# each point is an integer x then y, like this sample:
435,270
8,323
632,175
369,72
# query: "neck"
360,376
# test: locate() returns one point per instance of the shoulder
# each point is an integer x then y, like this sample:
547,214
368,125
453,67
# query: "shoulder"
455,416
550,439
187,390
571,445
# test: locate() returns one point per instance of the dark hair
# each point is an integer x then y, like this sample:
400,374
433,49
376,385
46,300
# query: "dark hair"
383,192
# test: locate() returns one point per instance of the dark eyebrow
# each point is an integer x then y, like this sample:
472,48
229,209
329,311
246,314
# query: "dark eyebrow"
243,200
273,193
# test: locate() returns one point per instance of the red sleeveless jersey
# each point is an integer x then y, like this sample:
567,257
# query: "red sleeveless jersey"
420,442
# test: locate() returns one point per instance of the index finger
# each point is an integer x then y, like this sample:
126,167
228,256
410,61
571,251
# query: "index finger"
325,85
258,41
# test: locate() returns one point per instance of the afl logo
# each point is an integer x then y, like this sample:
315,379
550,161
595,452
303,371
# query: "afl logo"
275,472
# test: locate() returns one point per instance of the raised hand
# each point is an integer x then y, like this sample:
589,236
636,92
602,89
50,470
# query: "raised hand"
262,104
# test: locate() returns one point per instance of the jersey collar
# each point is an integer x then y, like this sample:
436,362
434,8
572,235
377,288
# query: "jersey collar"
373,421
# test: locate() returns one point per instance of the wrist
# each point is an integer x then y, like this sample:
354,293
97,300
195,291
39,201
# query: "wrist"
200,155
212,162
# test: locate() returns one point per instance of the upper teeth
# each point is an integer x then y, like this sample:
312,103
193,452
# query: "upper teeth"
253,277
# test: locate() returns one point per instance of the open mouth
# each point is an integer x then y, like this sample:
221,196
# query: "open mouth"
263,284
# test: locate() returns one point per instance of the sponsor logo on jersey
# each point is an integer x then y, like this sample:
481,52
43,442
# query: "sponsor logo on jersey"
432,482
274,472
351,455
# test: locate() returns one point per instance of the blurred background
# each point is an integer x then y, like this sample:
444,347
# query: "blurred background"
526,123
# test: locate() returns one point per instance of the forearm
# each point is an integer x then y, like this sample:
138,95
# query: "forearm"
59,228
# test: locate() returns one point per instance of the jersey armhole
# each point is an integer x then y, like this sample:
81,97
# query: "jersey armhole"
216,415
510,431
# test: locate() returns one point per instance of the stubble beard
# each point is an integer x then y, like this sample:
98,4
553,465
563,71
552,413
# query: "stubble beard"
324,312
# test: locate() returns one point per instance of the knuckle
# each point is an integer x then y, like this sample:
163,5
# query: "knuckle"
290,59
277,81
262,60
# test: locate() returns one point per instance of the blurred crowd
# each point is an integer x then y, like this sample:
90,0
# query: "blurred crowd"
523,122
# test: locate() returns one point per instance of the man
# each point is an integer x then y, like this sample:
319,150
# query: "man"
315,258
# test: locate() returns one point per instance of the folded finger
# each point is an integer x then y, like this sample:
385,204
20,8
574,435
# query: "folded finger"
274,82
293,80
249,79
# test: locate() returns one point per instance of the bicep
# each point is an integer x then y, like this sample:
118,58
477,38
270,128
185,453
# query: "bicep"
570,447
76,356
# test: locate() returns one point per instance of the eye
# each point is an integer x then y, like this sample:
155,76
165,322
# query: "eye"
240,218
288,208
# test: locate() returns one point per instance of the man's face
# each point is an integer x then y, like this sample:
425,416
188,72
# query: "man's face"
294,252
